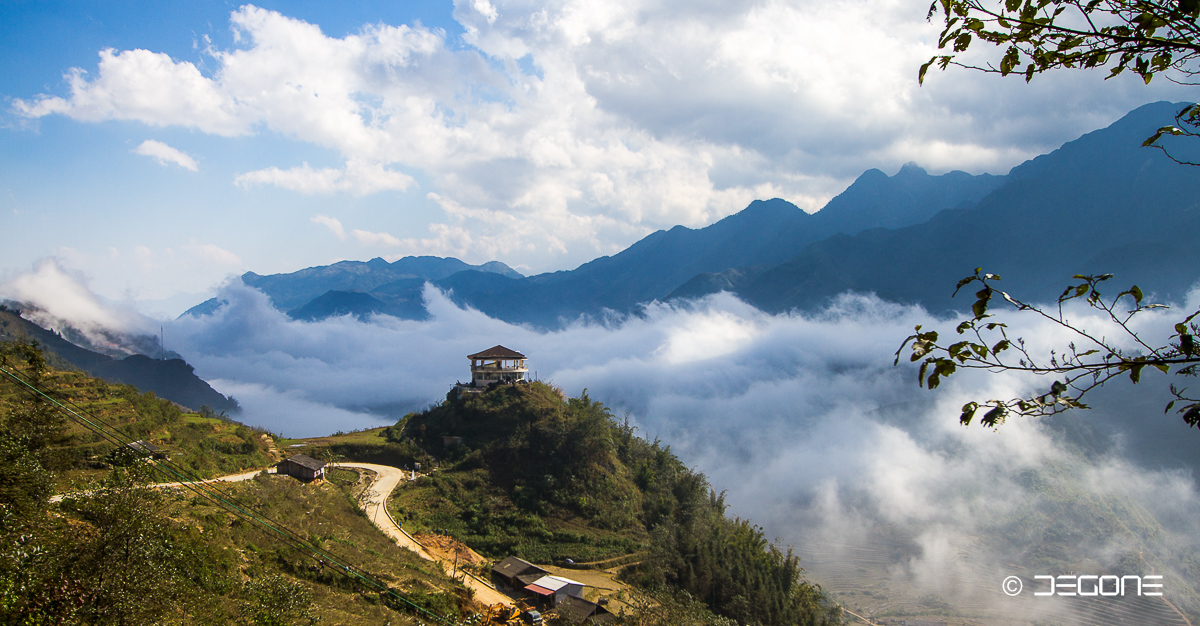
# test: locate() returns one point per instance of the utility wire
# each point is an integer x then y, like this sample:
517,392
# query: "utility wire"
206,490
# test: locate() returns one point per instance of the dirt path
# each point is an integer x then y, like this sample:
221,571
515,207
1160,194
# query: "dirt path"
375,504
232,478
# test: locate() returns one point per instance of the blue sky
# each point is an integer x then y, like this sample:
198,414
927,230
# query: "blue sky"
155,149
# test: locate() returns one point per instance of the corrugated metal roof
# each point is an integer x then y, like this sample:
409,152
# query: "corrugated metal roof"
554,583
497,352
306,461
541,591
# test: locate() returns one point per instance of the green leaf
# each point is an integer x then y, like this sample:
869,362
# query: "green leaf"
994,417
981,304
925,68
968,412
1135,372
1192,415
1136,293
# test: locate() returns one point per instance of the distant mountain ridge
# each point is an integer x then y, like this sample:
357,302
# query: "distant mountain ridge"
171,379
1101,203
356,287
766,233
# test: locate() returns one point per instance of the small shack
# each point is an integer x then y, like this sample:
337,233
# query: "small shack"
516,573
302,467
146,449
555,589
579,611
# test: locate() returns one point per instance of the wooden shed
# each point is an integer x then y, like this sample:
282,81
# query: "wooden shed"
512,570
302,467
146,449
579,611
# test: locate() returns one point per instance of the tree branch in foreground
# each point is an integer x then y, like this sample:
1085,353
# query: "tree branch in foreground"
1089,361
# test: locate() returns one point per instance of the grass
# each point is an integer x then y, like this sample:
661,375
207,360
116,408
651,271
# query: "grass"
326,515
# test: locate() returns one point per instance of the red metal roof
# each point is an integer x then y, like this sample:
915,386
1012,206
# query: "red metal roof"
542,591
497,352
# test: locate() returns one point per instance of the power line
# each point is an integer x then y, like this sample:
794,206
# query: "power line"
212,494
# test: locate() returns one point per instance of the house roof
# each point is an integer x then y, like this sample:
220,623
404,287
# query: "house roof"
513,566
553,583
541,591
306,461
497,352
577,609
532,577
145,447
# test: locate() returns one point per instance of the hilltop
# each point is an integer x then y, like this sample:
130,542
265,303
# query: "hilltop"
528,472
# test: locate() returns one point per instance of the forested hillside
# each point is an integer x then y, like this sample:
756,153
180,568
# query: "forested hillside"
550,479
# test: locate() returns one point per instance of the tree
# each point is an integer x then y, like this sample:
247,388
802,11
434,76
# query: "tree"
1090,361
1146,37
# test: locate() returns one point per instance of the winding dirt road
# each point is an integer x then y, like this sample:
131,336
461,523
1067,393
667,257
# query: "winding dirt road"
375,505
232,478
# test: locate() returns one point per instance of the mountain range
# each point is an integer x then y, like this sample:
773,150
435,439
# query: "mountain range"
169,378
1099,204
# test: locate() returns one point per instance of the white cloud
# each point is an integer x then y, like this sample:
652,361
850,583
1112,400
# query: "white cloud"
62,297
166,155
356,178
569,130
374,239
333,224
151,272
212,253
147,87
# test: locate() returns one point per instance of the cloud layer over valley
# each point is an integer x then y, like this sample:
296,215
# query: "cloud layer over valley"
801,418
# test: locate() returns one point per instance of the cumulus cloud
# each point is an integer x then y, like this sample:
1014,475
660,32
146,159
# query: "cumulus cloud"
61,301
166,155
572,129
147,87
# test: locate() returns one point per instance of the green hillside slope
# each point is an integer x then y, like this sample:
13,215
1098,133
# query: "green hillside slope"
527,472
270,550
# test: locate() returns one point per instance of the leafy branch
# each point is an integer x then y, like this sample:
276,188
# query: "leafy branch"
1088,362
1145,37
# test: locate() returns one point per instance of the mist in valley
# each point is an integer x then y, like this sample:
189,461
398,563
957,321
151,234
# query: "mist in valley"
801,419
